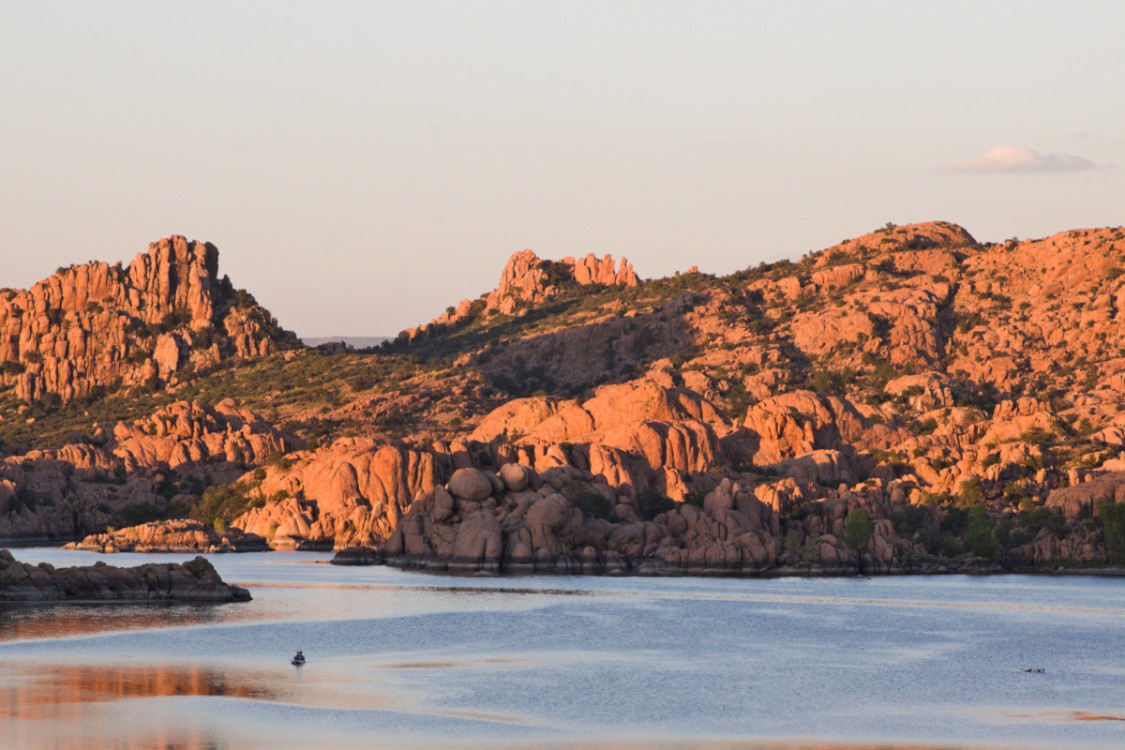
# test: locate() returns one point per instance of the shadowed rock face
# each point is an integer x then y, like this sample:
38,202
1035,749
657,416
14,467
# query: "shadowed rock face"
91,325
195,581
572,360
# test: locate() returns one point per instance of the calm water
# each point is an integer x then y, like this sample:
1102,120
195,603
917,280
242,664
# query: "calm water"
405,659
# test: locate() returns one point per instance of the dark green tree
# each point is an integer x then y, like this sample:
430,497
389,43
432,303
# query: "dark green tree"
979,534
857,529
1112,516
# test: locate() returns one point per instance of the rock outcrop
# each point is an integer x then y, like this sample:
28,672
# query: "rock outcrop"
354,493
93,326
172,537
528,280
521,521
195,581
187,434
131,469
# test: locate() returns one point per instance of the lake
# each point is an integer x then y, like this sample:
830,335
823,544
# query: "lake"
404,659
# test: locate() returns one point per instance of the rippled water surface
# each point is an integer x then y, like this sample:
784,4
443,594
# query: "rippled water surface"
407,659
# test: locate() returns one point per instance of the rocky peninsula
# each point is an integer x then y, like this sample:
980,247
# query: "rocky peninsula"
195,581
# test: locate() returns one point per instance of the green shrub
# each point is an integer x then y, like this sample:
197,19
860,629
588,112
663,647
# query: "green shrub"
911,520
225,501
204,339
1112,516
979,534
792,541
955,521
1035,436
857,529
587,500
134,514
696,498
1003,532
970,494
652,502
277,460
1043,518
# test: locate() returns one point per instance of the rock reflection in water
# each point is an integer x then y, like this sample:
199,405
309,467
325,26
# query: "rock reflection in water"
61,620
37,691
49,705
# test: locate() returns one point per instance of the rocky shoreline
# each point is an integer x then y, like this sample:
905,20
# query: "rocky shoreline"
365,556
557,522
195,581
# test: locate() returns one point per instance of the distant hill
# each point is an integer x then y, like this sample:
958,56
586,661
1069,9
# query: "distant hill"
359,342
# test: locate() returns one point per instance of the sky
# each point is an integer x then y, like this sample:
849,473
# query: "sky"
362,166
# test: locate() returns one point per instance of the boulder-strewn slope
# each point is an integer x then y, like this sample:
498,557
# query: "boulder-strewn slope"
908,400
133,471
911,373
97,326
195,581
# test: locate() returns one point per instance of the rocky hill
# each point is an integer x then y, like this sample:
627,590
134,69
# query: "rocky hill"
95,327
908,400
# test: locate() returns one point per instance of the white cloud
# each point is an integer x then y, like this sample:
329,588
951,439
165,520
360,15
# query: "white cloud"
1009,158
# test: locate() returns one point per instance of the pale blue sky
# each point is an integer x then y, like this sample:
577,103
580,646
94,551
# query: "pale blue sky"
363,165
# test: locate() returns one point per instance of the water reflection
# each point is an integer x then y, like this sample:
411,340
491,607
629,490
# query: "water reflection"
407,660
166,739
63,620
56,705
38,691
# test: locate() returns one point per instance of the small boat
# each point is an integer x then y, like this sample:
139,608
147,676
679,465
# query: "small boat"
298,660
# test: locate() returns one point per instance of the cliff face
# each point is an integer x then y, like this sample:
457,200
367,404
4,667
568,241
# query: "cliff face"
97,326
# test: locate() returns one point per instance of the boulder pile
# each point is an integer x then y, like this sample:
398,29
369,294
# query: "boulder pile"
173,537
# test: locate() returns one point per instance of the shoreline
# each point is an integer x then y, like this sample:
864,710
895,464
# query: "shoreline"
642,570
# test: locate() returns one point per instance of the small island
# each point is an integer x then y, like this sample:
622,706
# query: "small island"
195,581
